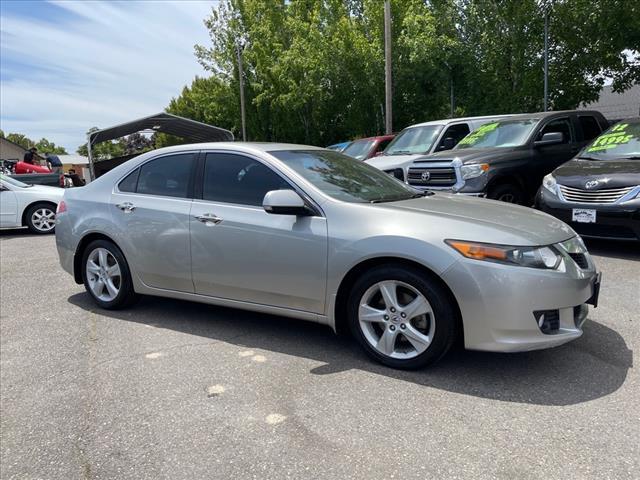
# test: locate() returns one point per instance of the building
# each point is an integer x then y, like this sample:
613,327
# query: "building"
13,151
617,106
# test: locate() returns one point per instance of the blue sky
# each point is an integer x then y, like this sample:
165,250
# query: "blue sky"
68,65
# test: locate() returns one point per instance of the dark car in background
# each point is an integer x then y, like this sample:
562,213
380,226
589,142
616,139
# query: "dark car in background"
598,192
507,159
365,148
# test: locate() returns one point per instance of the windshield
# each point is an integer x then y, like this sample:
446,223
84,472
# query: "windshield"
506,133
13,181
359,149
343,178
414,140
620,141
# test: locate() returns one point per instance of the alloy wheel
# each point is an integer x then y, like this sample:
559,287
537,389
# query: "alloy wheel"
396,319
43,219
507,197
103,274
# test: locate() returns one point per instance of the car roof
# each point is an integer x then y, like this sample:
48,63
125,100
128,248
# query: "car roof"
377,137
448,121
247,147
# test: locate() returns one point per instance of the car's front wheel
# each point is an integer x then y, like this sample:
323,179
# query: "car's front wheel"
41,218
106,275
402,317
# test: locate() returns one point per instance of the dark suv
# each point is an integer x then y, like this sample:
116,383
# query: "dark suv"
507,159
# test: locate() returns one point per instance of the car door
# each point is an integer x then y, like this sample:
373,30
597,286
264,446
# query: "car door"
150,207
549,157
8,207
241,252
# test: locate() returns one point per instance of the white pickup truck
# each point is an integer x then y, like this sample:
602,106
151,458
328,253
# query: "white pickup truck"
424,138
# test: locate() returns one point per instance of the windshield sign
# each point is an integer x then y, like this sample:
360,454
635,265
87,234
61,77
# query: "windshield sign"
507,133
620,141
343,178
414,140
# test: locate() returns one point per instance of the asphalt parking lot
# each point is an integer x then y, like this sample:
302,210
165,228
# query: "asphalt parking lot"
171,389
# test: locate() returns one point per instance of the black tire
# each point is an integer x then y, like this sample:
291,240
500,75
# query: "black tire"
126,295
444,310
31,220
507,192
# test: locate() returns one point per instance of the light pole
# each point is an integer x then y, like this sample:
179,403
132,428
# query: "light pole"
388,91
243,114
546,59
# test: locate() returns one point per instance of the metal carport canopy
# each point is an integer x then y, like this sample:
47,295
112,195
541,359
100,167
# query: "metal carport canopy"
191,130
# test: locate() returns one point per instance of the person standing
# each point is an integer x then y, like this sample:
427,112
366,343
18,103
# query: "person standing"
29,154
53,162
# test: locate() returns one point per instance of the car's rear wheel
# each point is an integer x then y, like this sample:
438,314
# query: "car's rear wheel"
106,275
41,218
506,192
401,317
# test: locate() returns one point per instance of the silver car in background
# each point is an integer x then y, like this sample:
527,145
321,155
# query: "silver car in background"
312,234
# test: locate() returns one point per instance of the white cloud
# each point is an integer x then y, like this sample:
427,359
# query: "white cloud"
104,64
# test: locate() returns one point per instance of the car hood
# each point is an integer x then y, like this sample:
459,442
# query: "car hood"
609,174
389,162
480,220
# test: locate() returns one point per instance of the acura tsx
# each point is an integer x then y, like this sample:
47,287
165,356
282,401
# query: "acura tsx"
310,233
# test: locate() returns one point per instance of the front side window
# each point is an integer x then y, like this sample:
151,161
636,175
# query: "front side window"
502,134
340,177
561,125
456,133
232,178
414,140
167,176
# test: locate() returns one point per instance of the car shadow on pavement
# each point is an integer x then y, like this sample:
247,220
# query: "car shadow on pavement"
613,248
15,233
591,367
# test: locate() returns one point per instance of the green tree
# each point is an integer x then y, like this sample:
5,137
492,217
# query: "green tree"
102,150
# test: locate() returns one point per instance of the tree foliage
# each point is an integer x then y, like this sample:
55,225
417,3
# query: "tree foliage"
43,145
314,69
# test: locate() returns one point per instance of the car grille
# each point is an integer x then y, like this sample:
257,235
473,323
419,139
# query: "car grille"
437,176
606,195
605,231
396,172
580,259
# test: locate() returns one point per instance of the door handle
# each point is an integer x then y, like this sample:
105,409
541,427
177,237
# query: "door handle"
126,207
208,219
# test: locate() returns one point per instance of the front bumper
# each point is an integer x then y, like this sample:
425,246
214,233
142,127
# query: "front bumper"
616,221
502,306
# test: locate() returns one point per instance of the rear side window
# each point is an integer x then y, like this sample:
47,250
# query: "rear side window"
238,179
167,176
561,125
590,127
129,183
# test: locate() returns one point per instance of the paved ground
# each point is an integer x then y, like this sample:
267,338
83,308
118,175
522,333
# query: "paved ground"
176,390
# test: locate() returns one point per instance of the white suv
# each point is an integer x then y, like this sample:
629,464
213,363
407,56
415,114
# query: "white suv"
424,138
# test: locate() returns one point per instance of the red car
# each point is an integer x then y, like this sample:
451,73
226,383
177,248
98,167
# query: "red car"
365,148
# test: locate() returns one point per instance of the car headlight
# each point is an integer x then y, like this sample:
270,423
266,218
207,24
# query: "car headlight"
574,245
474,170
549,182
534,257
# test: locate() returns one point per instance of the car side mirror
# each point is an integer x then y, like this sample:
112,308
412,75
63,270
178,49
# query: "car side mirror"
447,144
285,202
550,138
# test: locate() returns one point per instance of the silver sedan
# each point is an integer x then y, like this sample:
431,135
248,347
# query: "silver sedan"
312,234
